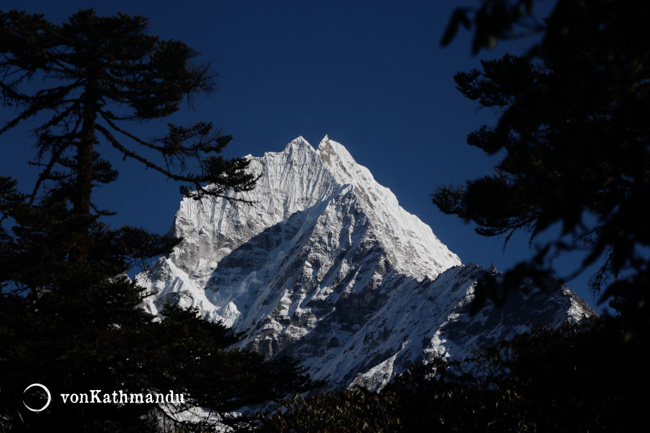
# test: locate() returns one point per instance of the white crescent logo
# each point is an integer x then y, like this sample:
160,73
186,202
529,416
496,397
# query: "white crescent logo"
47,391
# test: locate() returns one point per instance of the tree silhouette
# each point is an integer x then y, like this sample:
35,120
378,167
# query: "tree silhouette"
98,74
573,134
69,317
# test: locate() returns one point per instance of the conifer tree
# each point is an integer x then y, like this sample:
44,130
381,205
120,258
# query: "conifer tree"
69,318
100,73
575,150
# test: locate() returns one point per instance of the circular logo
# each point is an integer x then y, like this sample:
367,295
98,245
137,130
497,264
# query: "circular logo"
47,391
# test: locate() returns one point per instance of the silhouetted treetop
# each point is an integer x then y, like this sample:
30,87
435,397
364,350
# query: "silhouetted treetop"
98,73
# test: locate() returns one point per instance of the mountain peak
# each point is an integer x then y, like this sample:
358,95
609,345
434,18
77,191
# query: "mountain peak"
338,158
299,143
326,266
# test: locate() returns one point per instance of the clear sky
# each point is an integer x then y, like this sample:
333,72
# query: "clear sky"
369,73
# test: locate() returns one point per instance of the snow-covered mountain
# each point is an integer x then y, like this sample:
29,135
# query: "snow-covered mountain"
325,266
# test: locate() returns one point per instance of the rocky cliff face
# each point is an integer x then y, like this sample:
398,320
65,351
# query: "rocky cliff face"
325,266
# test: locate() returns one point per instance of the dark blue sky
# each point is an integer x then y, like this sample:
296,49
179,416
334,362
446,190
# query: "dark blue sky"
371,74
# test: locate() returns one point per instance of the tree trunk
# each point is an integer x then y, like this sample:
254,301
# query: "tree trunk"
84,169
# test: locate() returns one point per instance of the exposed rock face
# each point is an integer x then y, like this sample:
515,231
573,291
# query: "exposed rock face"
325,266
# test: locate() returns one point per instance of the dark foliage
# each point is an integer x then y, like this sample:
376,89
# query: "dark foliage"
69,317
99,73
575,379
573,136
494,20
98,338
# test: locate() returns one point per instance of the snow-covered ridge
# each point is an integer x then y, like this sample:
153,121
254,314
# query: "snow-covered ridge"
327,267
299,179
